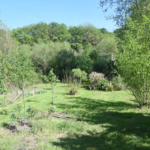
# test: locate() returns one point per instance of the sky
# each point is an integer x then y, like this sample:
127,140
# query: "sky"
20,13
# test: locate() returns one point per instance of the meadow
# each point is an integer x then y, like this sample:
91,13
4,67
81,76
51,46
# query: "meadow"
90,120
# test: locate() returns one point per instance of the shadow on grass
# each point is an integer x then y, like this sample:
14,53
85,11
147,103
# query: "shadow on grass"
122,130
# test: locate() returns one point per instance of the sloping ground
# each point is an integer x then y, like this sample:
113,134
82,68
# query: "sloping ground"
90,120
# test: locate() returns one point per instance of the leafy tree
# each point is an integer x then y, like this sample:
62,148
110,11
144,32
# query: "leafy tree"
108,45
63,33
43,55
23,35
41,32
84,61
22,70
104,30
104,56
107,67
81,75
92,34
77,40
7,45
133,63
125,8
53,79
64,62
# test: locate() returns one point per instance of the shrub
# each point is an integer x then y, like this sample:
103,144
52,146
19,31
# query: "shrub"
73,90
41,91
118,83
79,74
97,81
109,87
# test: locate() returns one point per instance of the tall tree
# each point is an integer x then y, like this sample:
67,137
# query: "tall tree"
7,45
133,63
22,70
125,8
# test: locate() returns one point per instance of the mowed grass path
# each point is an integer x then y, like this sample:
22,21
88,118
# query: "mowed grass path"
97,120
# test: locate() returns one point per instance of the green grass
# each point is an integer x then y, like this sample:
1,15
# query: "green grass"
93,120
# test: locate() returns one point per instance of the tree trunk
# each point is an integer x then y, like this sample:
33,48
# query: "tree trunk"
4,99
24,102
52,92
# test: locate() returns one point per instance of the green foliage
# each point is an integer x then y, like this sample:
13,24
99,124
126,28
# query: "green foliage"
103,56
109,87
45,56
53,79
133,63
118,83
52,110
107,46
84,61
125,9
16,114
7,45
106,66
73,89
79,74
31,112
104,31
64,62
21,70
40,91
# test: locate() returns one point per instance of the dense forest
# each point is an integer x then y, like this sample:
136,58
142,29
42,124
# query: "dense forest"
63,49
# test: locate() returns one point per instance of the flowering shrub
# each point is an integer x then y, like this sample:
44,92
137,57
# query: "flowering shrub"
97,81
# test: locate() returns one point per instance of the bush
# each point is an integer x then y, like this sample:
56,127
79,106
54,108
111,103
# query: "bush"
73,90
97,81
118,83
79,74
109,87
41,91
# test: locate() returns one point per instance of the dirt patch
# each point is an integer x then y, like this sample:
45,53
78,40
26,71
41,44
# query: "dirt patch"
53,114
4,133
59,114
18,127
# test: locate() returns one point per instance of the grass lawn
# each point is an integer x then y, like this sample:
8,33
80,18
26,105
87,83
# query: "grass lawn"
90,120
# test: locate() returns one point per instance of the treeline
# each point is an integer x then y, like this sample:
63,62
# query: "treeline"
77,36
63,49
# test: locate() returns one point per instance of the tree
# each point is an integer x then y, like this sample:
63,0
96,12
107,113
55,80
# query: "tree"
133,63
104,30
43,55
77,40
92,34
64,62
7,45
79,74
125,8
53,79
22,70
107,46
84,61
